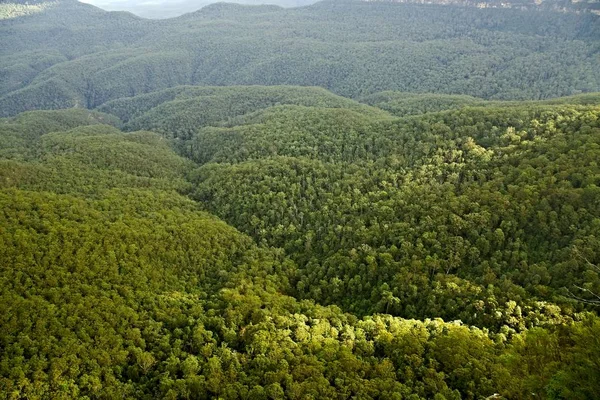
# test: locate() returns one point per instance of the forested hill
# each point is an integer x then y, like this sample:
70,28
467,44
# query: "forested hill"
576,6
116,282
472,190
69,54
403,104
179,112
349,200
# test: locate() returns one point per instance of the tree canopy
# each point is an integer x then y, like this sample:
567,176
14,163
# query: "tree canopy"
73,54
360,237
350,200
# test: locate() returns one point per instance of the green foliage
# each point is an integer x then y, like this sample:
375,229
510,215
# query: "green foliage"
179,112
114,289
357,230
403,104
73,151
92,284
353,48
113,284
461,214
555,365
19,135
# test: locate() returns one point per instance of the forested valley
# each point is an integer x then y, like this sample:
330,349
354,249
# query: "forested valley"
350,200
63,53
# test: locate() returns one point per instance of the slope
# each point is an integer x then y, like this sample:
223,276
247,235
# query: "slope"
180,111
91,57
115,285
402,104
474,214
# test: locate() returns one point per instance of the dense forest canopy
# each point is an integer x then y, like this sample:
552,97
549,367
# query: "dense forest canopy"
74,54
336,184
350,200
484,214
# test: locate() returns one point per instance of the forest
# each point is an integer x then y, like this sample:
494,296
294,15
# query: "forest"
400,207
449,254
73,54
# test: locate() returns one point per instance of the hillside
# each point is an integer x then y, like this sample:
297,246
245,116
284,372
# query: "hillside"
402,104
470,192
117,285
73,54
180,111
349,200
568,6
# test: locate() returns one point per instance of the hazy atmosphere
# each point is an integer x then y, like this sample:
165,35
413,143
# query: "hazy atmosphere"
173,8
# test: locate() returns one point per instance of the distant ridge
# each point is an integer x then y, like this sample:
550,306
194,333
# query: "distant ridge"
222,9
77,55
164,9
592,6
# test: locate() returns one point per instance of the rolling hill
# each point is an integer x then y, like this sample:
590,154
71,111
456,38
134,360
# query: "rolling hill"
349,200
75,55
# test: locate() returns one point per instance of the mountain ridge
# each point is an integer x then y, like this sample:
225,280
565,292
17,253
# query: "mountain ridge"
488,53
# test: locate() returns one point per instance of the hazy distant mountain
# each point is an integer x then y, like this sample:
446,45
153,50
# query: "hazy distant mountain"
554,5
173,8
73,54
162,9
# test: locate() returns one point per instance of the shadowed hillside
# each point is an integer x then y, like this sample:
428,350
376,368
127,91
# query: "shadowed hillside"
73,54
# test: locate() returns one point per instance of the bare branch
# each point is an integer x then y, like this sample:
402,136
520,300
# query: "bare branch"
592,302
588,262
588,290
